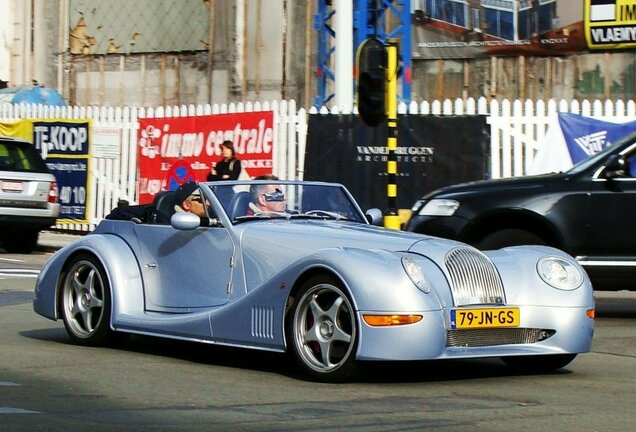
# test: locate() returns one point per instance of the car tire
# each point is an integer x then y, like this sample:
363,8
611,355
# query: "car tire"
509,237
322,331
85,302
539,363
23,242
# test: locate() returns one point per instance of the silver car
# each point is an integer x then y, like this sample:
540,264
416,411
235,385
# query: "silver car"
316,280
28,195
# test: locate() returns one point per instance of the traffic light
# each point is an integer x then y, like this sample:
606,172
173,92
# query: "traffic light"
371,66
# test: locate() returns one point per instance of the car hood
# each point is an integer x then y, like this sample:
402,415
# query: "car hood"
270,246
527,182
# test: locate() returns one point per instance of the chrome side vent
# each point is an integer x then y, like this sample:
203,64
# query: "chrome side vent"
473,278
263,322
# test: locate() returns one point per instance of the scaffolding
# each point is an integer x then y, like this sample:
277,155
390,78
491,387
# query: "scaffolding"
381,19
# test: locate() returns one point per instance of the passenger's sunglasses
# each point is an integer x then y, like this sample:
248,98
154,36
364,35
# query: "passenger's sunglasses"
276,196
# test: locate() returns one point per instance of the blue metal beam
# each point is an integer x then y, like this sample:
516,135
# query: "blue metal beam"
369,21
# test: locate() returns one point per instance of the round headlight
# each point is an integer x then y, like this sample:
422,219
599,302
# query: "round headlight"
560,273
415,273
439,207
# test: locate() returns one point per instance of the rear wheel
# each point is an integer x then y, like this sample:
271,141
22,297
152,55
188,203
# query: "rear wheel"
539,363
322,331
509,237
85,302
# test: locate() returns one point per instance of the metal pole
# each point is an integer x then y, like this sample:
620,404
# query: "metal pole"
344,56
391,218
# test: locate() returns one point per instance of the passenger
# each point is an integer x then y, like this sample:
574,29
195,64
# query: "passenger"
266,198
188,199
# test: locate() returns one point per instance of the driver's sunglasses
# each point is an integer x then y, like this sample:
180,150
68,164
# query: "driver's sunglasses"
197,199
276,196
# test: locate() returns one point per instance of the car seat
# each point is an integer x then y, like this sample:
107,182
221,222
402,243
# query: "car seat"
239,204
163,207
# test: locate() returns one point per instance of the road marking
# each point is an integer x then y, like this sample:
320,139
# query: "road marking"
11,410
27,273
11,259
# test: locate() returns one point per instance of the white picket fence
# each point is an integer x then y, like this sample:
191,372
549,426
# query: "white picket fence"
517,129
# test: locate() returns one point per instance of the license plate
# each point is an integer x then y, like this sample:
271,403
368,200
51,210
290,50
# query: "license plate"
484,318
12,186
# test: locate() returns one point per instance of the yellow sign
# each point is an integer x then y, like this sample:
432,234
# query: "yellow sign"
610,24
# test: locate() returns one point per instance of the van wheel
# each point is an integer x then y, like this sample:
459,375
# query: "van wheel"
509,237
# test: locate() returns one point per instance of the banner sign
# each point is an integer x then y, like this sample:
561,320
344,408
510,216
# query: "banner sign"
174,150
610,24
432,152
457,29
65,147
573,138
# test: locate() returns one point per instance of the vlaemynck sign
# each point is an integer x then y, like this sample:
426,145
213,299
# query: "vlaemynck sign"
610,24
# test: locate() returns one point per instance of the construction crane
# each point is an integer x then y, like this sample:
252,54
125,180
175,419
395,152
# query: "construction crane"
371,19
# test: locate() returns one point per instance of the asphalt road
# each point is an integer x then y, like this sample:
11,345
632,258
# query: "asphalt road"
149,384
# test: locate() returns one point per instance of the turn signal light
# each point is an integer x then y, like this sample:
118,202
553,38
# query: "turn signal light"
391,320
591,313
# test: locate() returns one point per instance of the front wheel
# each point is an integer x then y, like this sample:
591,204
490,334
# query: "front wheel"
539,363
322,331
85,302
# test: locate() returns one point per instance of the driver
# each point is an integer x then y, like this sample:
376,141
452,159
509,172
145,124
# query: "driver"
188,199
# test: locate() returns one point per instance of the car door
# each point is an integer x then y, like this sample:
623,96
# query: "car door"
184,270
613,214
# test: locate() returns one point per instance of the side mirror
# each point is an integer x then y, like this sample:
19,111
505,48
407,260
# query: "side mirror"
185,221
615,167
374,216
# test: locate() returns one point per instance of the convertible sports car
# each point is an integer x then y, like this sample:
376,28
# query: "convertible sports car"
318,281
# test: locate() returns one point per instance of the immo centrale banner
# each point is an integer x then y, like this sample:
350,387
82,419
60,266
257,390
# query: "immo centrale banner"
174,150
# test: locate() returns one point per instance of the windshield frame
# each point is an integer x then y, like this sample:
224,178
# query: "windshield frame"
223,191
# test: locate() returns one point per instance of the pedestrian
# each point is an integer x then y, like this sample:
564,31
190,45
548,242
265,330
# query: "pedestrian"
229,167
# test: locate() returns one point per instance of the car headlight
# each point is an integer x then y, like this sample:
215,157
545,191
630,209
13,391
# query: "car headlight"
439,207
559,273
415,273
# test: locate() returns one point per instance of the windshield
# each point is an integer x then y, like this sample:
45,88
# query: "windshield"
590,161
254,200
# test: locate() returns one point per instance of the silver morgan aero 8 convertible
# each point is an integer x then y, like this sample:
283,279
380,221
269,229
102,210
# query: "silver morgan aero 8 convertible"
316,279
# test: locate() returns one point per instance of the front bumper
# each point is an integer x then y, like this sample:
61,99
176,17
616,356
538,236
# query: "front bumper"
427,340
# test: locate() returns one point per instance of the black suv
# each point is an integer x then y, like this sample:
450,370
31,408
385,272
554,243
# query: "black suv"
588,211
28,195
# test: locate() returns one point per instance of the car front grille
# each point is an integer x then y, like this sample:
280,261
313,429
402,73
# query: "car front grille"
497,336
473,278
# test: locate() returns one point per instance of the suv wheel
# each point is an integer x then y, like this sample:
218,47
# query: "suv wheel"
21,241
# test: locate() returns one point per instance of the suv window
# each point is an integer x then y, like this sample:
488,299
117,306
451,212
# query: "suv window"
19,156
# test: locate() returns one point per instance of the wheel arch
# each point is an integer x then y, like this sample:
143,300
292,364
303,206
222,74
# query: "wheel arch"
120,266
513,219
